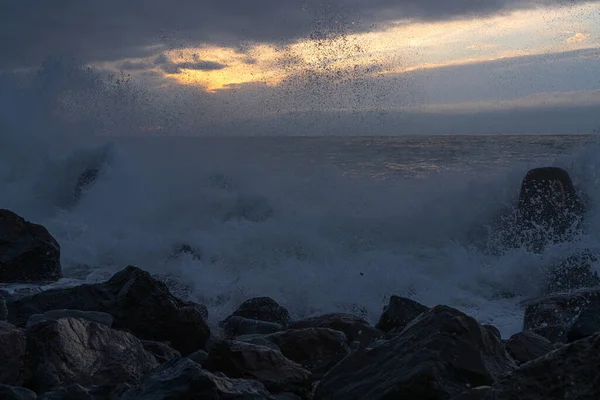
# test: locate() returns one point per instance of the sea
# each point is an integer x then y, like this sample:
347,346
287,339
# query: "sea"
320,224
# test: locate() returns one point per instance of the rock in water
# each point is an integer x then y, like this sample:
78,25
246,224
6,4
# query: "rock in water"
28,253
263,309
73,350
184,379
16,393
398,313
586,324
355,328
527,346
12,354
138,303
440,354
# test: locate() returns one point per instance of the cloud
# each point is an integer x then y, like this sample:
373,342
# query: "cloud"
171,67
30,30
134,66
578,37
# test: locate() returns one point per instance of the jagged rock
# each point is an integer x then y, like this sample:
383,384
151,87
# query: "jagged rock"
138,303
28,252
94,316
72,350
493,330
161,351
586,324
527,346
199,357
316,349
398,313
238,326
248,361
355,328
184,379
259,340
12,354
438,355
570,372
263,309
478,393
16,393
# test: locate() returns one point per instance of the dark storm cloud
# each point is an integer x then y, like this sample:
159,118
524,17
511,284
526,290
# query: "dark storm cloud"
92,30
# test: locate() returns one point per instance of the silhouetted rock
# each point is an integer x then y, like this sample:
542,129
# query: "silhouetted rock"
440,354
184,379
138,303
355,328
94,316
160,351
263,309
78,351
28,252
527,346
238,326
16,393
493,330
586,324
398,313
12,354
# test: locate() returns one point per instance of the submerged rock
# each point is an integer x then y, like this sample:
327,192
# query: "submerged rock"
355,328
12,354
398,313
28,253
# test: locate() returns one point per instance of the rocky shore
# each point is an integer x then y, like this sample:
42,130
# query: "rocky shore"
130,338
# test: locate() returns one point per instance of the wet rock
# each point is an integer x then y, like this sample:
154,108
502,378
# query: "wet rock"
138,303
570,372
398,313
440,354
16,393
3,309
478,393
493,330
199,357
248,361
28,253
586,324
316,349
12,354
554,333
94,316
161,351
184,379
527,346
259,340
72,350
78,392
355,328
263,309
238,326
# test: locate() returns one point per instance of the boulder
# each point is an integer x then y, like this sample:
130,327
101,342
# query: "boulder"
554,333
355,328
199,356
586,324
238,326
78,392
492,329
95,316
161,351
3,309
268,366
478,393
263,309
527,346
438,355
16,393
69,350
398,313
138,303
12,353
260,340
28,253
184,379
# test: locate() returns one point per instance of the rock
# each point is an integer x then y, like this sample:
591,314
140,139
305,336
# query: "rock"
12,354
586,324
286,396
570,372
554,333
94,316
259,340
28,253
161,351
355,328
78,392
138,303
199,356
72,350
398,313
438,355
263,309
527,346
3,309
16,393
493,330
248,361
478,393
184,379
316,349
237,326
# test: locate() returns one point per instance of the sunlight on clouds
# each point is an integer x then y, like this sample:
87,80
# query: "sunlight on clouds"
578,37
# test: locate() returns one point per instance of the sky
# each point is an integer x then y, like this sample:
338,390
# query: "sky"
287,67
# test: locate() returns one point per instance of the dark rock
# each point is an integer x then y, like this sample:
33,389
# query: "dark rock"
355,328
12,354
286,396
237,326
161,351
94,316
478,393
440,354
3,309
199,356
182,379
398,313
71,392
586,324
72,350
16,393
28,252
554,333
263,309
493,330
248,361
570,372
139,304
527,346
259,340
316,349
